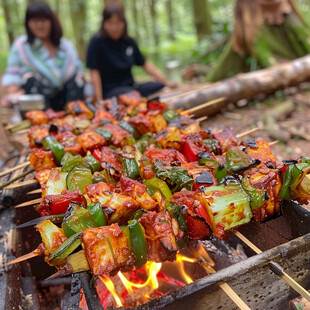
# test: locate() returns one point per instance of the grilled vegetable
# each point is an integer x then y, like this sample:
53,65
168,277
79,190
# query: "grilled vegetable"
52,144
78,178
97,214
238,161
157,185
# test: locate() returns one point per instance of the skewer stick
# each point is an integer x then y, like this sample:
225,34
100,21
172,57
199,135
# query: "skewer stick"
201,119
21,132
234,297
248,242
14,169
22,258
190,92
35,191
240,135
202,106
277,269
274,142
29,203
16,178
28,182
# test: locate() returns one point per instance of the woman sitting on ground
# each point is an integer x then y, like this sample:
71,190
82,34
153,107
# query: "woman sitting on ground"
42,62
112,54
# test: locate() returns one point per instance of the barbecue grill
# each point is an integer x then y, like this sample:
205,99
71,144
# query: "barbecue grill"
284,240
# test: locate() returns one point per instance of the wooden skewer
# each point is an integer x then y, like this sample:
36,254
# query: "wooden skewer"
201,119
35,191
14,169
240,135
22,258
276,268
28,182
29,203
234,297
248,242
21,132
8,127
202,106
3,185
274,142
190,92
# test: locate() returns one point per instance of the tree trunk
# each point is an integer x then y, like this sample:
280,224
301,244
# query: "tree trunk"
202,18
78,17
134,10
155,30
170,19
248,86
8,20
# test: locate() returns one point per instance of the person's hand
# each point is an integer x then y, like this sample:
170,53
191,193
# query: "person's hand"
172,84
7,100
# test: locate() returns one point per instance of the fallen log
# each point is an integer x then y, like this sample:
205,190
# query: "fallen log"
247,86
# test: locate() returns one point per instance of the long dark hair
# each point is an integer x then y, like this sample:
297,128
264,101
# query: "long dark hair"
113,7
43,10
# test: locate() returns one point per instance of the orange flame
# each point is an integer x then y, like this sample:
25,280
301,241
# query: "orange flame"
181,259
110,286
151,270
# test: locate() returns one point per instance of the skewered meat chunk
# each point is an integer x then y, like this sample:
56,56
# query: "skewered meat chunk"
79,108
42,177
36,134
118,133
138,192
165,155
226,139
110,159
99,192
260,150
141,123
37,117
51,114
42,159
170,137
107,249
158,122
69,142
90,140
161,242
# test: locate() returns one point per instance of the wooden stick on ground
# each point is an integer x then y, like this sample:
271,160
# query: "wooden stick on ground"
248,242
29,203
202,106
201,119
14,169
274,142
28,182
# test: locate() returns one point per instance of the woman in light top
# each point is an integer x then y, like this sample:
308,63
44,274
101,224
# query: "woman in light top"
42,62
111,55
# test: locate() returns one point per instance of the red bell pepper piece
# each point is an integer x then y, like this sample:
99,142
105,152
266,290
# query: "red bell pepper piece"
156,105
198,228
193,145
58,204
97,154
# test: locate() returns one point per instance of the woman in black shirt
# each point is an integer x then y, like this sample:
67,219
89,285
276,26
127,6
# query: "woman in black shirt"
111,55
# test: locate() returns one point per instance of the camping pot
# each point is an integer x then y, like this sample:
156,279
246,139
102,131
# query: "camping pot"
30,102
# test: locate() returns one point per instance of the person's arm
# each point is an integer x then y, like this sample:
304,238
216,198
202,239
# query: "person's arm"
96,80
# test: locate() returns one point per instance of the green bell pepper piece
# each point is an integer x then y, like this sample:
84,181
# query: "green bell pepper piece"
78,178
77,219
138,242
169,115
213,144
155,184
126,230
75,161
131,168
93,163
138,214
51,143
291,179
67,156
125,125
97,214
238,161
104,133
257,196
73,242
